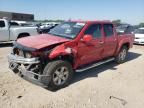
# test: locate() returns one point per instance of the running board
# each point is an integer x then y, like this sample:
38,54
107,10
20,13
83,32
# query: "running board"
95,65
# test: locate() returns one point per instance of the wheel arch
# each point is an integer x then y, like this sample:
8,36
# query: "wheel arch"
69,58
127,44
23,35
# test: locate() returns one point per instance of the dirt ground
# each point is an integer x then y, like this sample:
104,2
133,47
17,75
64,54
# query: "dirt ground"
107,86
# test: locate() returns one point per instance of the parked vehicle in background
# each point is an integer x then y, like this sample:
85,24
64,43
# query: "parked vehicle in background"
11,33
21,23
48,24
46,29
139,36
51,59
125,28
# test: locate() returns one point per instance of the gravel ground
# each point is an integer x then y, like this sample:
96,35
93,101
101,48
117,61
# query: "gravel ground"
107,86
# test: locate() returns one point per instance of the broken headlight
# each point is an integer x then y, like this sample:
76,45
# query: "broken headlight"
28,55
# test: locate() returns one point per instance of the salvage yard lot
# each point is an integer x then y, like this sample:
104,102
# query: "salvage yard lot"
106,86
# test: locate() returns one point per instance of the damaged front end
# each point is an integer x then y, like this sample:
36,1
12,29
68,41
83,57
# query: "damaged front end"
22,62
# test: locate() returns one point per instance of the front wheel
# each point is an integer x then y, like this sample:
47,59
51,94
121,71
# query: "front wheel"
121,57
60,74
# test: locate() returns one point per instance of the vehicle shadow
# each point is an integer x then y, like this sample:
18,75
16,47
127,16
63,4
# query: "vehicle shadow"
139,44
2,45
102,68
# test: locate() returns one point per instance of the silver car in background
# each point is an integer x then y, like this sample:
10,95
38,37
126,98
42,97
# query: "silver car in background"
12,33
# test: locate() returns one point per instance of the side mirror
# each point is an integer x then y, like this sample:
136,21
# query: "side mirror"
87,38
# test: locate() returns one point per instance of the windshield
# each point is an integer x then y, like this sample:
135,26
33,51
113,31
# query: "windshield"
139,31
67,29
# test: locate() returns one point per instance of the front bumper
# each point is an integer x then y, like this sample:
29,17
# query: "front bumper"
21,66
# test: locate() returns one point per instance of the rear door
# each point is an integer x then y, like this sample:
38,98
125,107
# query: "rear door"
91,51
4,32
110,41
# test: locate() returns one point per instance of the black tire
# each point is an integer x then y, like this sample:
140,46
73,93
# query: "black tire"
50,70
122,55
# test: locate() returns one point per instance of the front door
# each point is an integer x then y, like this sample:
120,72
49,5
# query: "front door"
89,52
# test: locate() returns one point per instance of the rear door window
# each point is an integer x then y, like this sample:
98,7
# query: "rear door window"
108,30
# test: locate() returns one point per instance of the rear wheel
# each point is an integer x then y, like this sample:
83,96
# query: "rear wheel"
60,74
121,57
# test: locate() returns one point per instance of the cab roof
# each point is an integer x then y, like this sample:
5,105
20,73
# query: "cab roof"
91,21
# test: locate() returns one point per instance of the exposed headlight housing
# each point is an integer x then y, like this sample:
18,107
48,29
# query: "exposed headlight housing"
68,50
28,55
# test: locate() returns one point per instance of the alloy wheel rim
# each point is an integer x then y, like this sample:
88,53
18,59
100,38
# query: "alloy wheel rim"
60,75
123,54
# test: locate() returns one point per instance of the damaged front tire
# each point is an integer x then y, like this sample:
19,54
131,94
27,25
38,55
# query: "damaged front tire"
60,74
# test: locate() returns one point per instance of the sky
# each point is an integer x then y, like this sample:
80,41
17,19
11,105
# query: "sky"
130,11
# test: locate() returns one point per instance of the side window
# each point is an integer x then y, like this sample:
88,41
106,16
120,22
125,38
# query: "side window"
94,30
2,24
108,29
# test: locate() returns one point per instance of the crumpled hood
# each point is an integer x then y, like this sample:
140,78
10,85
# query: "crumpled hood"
41,41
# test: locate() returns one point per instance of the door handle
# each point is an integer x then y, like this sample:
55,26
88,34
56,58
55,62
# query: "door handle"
101,42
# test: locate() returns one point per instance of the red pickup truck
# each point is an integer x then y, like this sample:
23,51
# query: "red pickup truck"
51,59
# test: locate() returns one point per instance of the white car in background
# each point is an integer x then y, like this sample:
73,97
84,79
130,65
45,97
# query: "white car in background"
139,36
